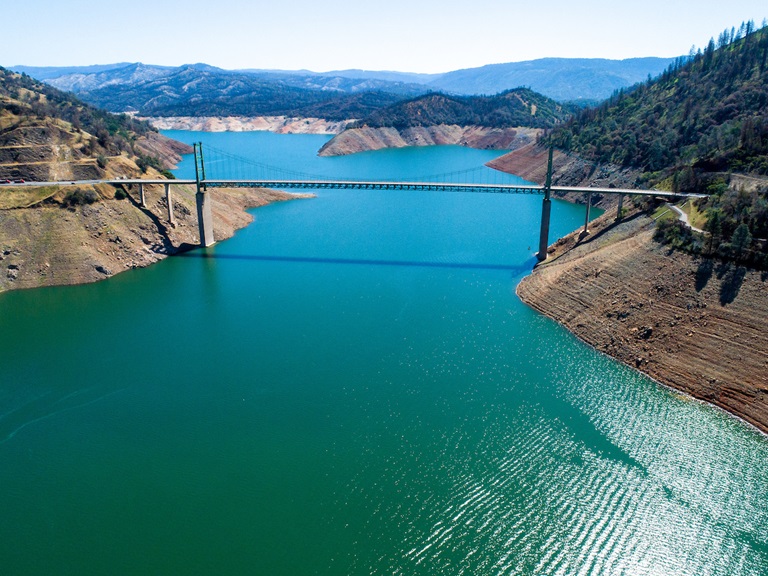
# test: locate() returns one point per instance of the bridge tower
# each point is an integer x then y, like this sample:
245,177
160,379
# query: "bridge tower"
546,209
204,214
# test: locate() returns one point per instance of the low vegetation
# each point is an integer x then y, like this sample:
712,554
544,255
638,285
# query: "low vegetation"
736,226
26,98
78,197
519,107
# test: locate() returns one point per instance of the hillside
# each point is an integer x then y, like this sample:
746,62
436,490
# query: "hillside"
562,79
708,112
518,107
702,126
504,121
690,323
48,135
703,120
200,90
75,234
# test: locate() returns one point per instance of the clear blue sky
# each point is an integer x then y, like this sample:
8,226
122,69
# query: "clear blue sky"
321,35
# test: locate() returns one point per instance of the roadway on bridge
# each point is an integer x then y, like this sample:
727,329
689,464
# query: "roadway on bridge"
370,185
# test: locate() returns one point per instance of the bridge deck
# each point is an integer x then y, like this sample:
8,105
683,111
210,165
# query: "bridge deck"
373,185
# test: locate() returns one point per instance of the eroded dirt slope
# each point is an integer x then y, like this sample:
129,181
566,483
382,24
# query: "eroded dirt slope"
692,324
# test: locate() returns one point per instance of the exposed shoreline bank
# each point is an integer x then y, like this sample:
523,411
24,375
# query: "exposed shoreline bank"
367,139
276,124
49,245
691,327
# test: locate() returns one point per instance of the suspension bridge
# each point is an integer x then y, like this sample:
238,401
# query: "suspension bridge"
251,174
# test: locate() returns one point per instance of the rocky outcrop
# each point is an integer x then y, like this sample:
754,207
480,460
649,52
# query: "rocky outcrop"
695,325
366,138
277,124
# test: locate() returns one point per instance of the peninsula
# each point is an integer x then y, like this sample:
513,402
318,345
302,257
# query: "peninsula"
506,121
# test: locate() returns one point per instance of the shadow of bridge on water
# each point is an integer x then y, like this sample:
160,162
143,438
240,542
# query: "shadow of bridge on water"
515,269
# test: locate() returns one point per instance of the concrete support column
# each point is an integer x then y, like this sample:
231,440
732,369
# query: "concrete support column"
141,194
169,201
586,219
546,209
204,218
620,208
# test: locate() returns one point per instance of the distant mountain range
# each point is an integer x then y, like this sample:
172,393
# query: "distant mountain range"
202,90
562,79
148,88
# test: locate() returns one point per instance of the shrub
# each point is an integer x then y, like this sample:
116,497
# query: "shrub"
78,197
144,162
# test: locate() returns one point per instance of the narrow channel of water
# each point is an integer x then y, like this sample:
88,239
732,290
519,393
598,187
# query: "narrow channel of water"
350,386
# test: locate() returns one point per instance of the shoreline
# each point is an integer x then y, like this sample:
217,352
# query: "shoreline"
276,124
49,245
761,431
620,293
366,139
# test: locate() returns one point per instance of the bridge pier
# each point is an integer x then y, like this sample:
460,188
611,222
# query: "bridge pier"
204,218
204,214
546,209
585,232
169,201
620,208
142,196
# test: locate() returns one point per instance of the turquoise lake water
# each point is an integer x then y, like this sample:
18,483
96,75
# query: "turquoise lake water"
350,386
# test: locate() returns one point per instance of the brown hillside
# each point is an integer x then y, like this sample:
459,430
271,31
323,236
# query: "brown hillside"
530,162
694,325
74,234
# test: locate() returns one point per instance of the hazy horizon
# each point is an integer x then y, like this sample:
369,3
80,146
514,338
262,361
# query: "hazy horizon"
423,38
110,65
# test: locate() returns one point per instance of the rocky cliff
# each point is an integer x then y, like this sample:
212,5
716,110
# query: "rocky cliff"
363,139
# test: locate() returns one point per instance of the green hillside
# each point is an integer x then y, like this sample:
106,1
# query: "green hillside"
519,107
695,127
709,112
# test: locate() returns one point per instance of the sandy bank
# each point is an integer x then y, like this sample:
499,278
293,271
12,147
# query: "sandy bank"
691,324
277,124
365,139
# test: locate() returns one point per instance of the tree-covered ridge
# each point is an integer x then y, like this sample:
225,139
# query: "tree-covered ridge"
703,120
518,107
707,111
22,96
202,91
